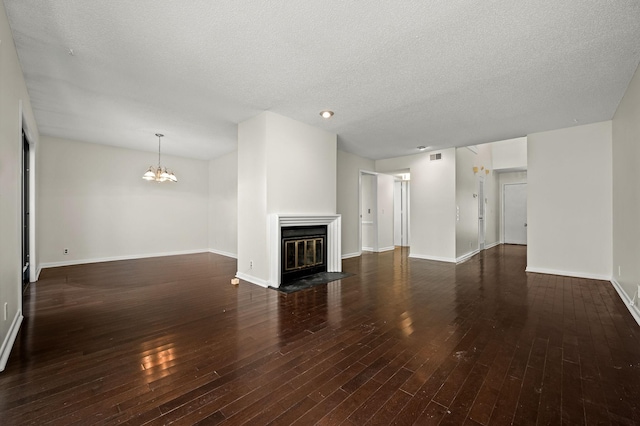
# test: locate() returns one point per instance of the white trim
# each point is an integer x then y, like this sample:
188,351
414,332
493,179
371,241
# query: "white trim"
334,239
635,312
9,340
467,256
350,255
116,258
383,249
368,249
436,258
223,253
492,245
251,279
568,273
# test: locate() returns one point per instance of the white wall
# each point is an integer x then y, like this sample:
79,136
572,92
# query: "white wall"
284,167
491,190
94,202
223,205
385,212
433,202
14,107
301,167
252,199
569,205
510,154
466,202
626,192
348,177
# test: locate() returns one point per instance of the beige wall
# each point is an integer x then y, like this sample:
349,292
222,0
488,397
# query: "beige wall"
626,192
223,205
348,175
433,202
384,217
569,204
93,201
15,109
510,154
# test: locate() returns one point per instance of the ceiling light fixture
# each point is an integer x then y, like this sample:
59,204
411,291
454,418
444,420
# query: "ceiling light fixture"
326,114
159,174
421,147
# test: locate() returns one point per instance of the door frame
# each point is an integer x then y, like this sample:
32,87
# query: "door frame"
503,208
33,153
375,210
482,222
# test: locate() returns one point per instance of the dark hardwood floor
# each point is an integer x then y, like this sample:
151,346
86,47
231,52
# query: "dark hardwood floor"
403,341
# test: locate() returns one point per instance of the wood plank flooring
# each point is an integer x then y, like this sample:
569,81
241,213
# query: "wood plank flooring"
403,341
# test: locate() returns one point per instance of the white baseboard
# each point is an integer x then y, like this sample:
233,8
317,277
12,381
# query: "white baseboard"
9,340
223,253
380,250
436,258
116,258
635,312
350,255
492,245
568,273
383,249
467,256
252,279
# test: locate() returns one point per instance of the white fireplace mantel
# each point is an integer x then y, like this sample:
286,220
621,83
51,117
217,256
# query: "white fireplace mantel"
334,246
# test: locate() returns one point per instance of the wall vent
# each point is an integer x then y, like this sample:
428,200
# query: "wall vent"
437,156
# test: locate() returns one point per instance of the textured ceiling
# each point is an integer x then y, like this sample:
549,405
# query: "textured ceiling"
397,74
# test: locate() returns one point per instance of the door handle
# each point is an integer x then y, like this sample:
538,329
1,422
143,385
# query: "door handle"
525,225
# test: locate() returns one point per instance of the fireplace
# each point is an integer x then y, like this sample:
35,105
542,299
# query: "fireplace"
331,251
303,251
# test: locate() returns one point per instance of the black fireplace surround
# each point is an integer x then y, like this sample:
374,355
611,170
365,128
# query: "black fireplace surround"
303,252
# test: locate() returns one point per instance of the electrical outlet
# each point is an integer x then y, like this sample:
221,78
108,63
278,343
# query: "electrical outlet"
619,270
6,309
65,251
251,264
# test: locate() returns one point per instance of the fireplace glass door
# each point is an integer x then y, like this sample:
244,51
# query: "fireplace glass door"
303,251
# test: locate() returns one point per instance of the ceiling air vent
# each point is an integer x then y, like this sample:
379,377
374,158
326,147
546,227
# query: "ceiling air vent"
437,156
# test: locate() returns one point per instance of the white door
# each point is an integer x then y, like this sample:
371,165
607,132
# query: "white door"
515,213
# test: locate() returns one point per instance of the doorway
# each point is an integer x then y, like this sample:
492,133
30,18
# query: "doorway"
515,213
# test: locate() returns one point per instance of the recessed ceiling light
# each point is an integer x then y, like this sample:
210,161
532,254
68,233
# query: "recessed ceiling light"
326,114
422,147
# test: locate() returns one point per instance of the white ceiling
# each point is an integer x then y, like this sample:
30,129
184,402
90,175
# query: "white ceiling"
437,73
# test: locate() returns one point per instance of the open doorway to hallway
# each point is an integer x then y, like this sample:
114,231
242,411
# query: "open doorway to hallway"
384,211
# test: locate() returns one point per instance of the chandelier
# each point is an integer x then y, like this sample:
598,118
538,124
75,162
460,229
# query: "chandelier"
159,174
